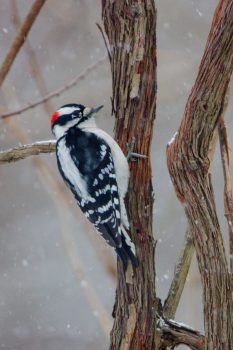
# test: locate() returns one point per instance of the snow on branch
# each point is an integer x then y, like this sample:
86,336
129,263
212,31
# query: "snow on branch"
174,334
21,152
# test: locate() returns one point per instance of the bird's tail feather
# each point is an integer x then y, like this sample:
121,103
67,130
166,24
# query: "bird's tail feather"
127,250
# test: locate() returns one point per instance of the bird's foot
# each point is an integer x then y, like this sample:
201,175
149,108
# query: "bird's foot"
132,155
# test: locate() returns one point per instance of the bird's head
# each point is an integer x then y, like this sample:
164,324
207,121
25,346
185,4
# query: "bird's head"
69,115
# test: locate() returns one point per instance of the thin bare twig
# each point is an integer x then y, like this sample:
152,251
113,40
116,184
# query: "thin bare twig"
32,60
105,42
57,92
20,38
21,152
180,275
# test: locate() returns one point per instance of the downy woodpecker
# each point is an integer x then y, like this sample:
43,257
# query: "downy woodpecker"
96,171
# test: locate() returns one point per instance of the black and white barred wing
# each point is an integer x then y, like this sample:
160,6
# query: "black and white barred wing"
93,182
103,207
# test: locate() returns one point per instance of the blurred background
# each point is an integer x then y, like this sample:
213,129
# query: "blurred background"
57,284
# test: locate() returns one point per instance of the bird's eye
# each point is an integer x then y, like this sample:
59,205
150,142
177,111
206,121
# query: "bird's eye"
76,113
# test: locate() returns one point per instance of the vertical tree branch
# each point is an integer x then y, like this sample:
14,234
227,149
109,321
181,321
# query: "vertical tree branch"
188,165
130,27
185,258
228,195
19,39
181,271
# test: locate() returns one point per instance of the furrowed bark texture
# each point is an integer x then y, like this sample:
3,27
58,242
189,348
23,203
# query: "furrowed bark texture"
174,334
130,27
228,193
188,165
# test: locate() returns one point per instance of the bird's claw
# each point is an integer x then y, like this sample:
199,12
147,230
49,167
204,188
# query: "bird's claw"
131,156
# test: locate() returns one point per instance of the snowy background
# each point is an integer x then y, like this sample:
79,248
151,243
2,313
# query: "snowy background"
57,283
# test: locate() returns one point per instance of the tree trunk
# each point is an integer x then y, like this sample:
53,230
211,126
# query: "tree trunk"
188,163
130,27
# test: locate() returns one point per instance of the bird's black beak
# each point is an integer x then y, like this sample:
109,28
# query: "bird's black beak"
97,109
90,112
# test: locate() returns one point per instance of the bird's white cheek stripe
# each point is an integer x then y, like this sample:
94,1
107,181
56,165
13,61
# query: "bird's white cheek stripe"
70,170
67,110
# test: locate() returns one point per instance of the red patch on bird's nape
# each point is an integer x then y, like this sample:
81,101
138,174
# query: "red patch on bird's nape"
54,118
